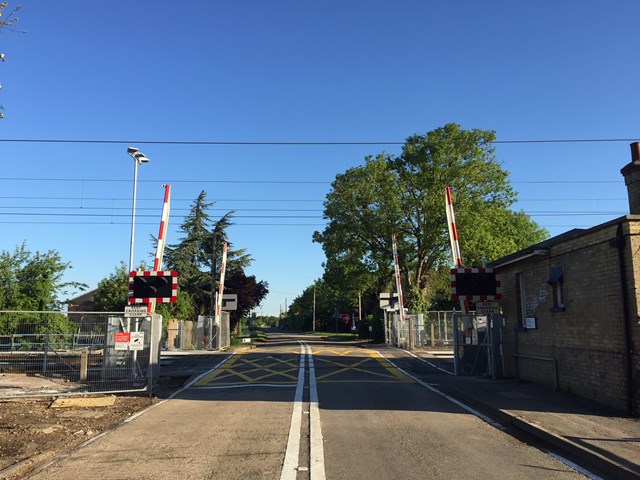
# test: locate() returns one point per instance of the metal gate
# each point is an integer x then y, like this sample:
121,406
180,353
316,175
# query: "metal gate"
478,344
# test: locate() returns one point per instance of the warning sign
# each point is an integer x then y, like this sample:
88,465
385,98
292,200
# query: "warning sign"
121,340
488,308
137,341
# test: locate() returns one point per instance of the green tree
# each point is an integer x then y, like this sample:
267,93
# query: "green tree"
404,195
113,291
33,281
250,293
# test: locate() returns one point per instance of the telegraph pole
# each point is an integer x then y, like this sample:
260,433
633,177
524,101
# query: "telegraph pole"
314,308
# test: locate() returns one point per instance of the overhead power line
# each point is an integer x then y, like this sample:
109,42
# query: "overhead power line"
21,197
111,180
262,200
266,182
290,143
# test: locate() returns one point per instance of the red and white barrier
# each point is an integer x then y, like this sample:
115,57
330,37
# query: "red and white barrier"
223,268
453,231
162,240
453,238
398,280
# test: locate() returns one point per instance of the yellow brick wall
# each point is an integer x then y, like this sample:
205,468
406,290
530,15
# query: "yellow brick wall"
588,337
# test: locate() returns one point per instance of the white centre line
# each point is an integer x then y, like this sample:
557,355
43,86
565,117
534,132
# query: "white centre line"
315,433
290,465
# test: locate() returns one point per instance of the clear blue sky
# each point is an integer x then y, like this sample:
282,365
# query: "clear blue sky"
297,71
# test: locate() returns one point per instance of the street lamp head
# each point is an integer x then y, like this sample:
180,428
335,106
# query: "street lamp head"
140,158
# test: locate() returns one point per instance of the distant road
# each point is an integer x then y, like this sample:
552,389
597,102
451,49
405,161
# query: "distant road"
299,408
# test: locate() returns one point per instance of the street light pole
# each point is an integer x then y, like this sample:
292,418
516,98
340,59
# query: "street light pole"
138,158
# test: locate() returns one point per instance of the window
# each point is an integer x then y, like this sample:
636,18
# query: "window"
556,280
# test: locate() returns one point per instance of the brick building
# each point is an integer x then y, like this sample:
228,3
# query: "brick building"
572,308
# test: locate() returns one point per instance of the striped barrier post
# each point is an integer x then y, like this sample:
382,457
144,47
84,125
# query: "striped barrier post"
162,239
398,280
223,268
455,244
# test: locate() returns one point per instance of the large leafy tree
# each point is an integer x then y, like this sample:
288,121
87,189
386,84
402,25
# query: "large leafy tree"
404,195
33,281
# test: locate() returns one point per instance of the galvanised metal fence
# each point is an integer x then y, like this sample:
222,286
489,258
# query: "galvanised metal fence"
205,334
62,353
432,329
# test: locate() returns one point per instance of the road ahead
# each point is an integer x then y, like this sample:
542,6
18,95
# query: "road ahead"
300,408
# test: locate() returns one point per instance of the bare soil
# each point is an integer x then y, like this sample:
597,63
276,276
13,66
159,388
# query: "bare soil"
33,433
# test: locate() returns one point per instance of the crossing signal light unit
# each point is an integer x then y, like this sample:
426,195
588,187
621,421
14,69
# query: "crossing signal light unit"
475,284
160,286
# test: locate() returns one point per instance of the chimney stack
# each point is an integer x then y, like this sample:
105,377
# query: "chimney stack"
631,173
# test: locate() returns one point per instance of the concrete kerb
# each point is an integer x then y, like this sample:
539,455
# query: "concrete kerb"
590,458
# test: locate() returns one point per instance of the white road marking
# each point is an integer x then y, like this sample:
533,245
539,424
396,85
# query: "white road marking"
315,433
488,420
481,416
178,392
290,465
428,362
576,467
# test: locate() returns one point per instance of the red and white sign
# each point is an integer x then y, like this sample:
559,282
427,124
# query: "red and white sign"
121,340
122,337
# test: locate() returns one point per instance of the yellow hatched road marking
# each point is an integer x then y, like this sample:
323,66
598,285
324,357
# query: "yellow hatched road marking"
232,369
399,376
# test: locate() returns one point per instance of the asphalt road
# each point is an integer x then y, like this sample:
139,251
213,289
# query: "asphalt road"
300,408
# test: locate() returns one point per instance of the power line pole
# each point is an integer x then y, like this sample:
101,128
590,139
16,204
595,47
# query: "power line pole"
314,308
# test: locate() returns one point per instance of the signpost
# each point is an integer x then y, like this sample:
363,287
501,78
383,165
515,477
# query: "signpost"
229,301
136,311
488,308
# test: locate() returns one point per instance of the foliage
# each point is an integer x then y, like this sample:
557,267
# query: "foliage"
192,257
113,291
37,323
33,281
331,304
250,293
404,195
182,309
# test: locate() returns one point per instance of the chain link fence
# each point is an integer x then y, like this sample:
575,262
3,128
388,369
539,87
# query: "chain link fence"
61,353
